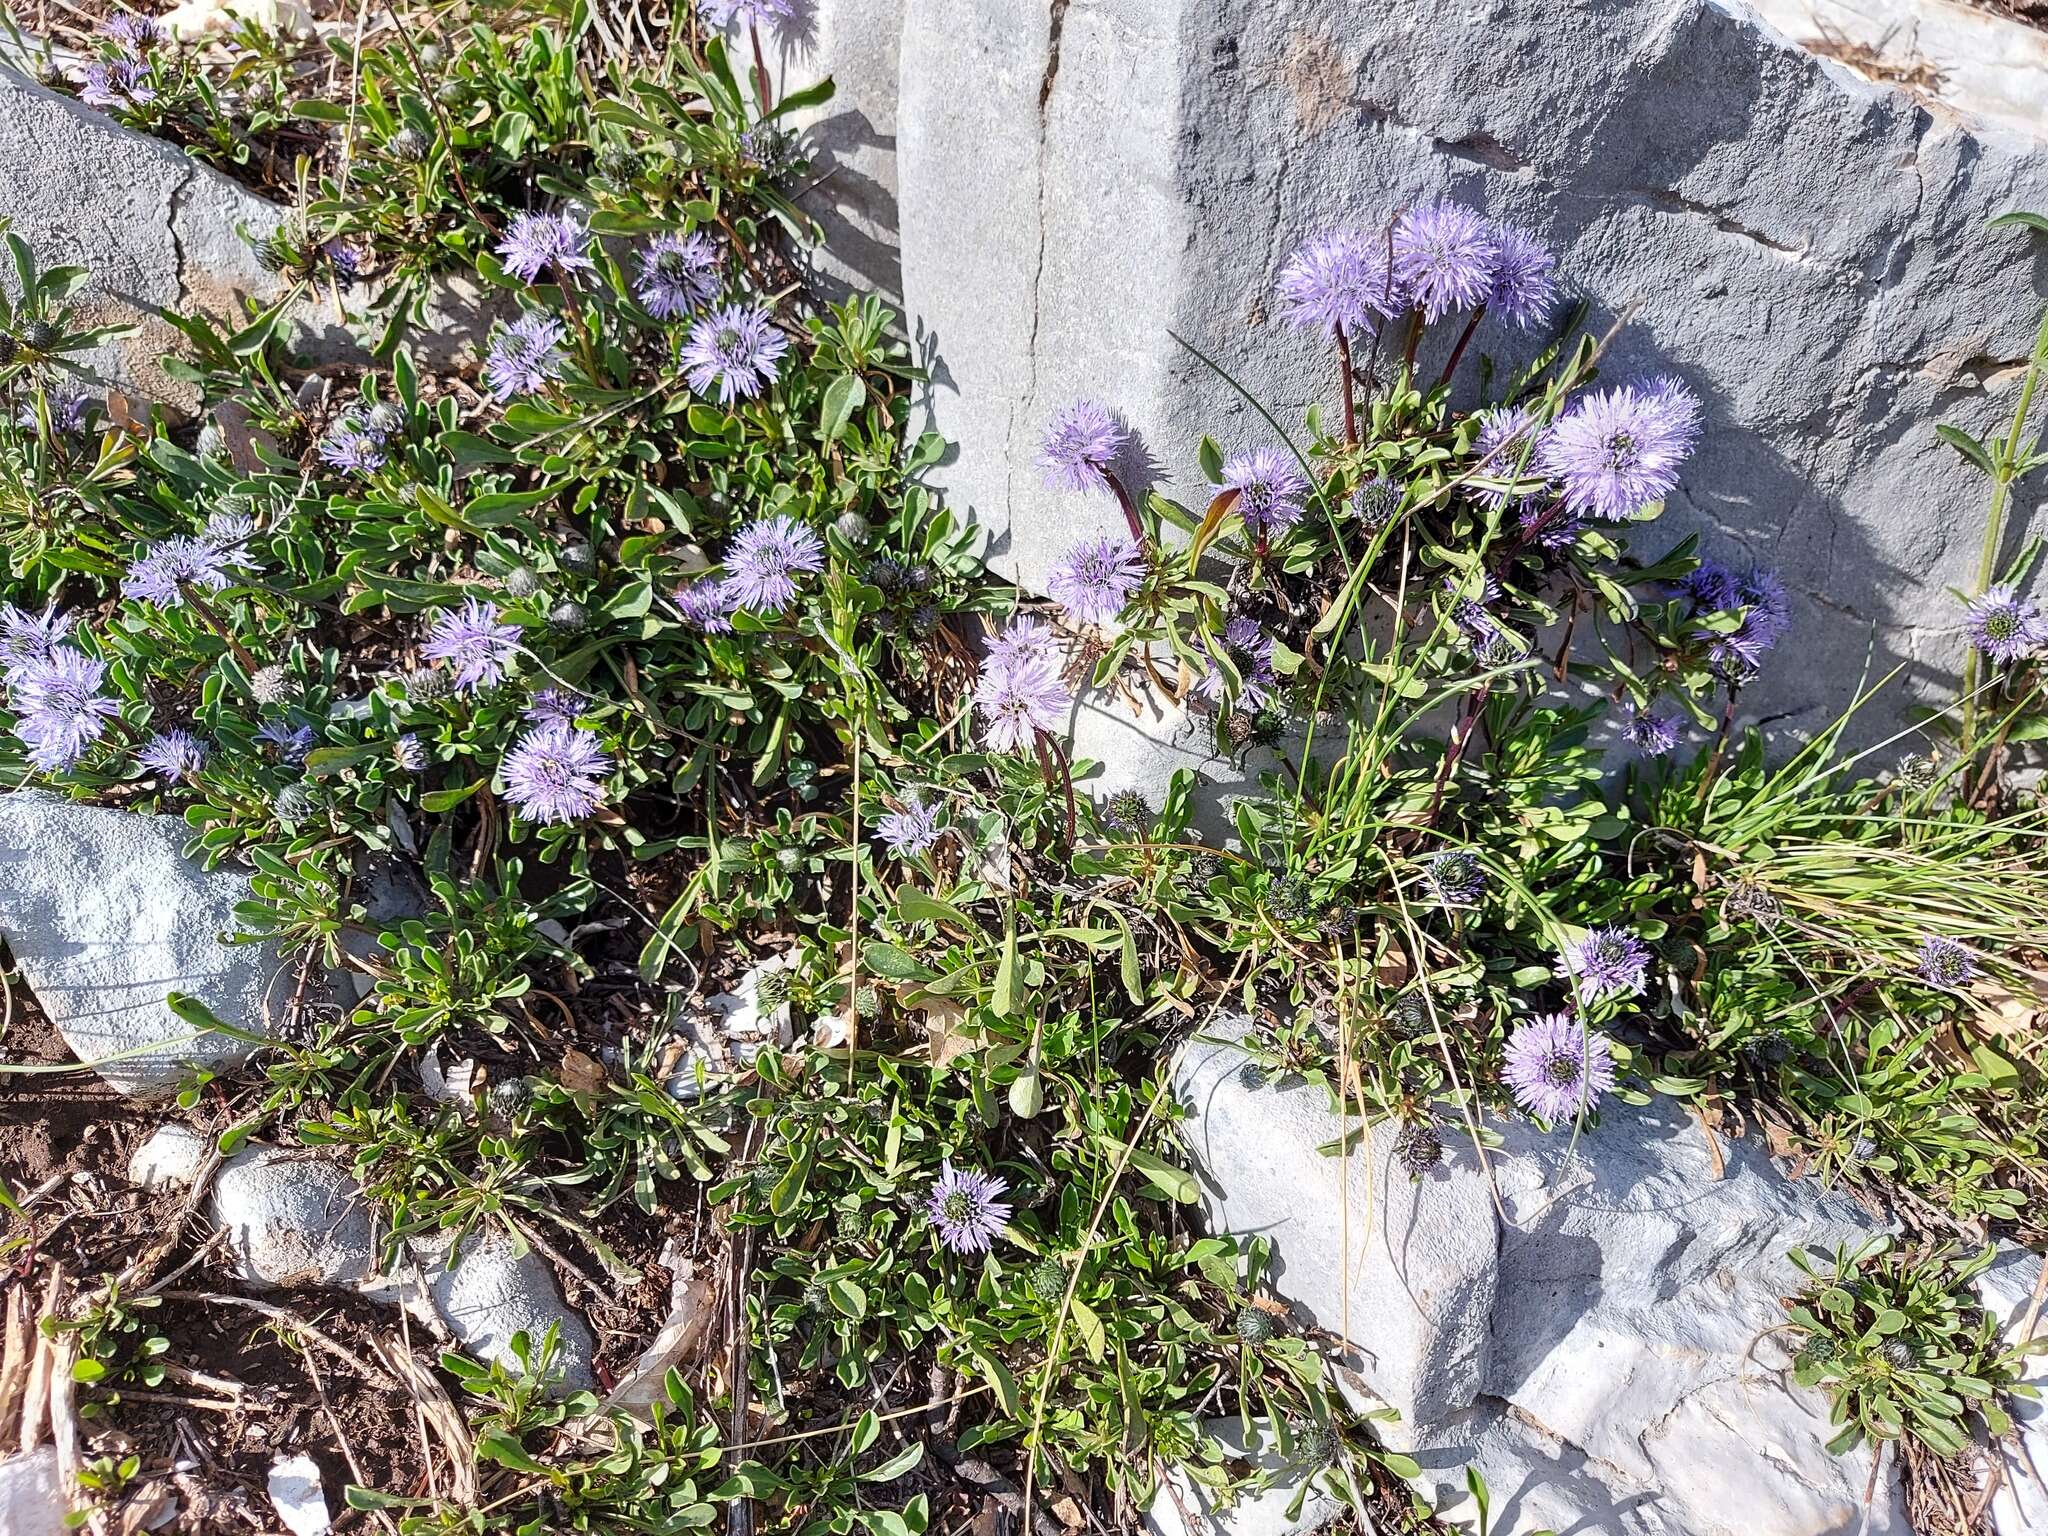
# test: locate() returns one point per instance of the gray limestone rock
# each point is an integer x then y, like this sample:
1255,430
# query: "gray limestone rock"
2007,1289
294,1218
489,1290
32,1501
1598,1343
170,1159
162,234
1079,184
1181,1508
106,916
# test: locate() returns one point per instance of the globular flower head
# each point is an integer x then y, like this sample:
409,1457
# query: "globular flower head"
910,830
1524,278
1945,963
173,754
58,707
291,742
67,408
166,571
1019,700
1340,279
706,605
26,637
967,1208
1269,487
1457,877
1549,528
352,448
1766,615
1556,1068
678,273
1023,640
1506,446
473,643
1617,450
733,352
764,560
133,32
1251,652
1651,733
534,242
553,704
724,13
1081,444
409,753
1375,502
526,354
1711,586
1444,256
2004,625
1097,576
555,773
1607,962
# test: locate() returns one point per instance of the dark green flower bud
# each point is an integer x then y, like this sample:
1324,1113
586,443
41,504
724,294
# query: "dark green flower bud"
1049,1281
1255,1325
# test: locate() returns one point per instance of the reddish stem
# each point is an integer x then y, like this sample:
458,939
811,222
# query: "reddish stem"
1123,499
760,68
1350,386
1458,352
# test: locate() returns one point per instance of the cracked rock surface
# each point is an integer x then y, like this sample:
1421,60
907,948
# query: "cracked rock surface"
1806,247
162,233
1598,1344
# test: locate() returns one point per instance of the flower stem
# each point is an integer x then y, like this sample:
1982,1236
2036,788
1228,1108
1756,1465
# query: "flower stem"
1123,499
760,69
1458,352
2005,469
1350,387
212,621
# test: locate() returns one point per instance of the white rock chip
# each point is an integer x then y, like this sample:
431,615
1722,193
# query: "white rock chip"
32,1501
197,19
170,1159
106,916
294,1218
295,1491
1602,1354
1180,1508
489,1290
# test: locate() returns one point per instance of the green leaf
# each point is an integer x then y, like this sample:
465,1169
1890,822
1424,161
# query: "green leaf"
886,960
896,1465
1094,1338
1004,1001
914,906
1027,1093
843,396
508,1452
1967,446
2020,219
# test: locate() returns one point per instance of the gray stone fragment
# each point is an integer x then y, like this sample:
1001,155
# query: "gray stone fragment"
162,233
490,1290
2020,1507
294,1218
1598,1344
1078,182
32,1501
105,917
1180,1508
170,1159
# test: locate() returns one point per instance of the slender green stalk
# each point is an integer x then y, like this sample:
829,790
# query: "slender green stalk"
2005,469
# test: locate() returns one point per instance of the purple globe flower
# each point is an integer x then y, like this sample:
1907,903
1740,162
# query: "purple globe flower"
553,705
735,351
409,753
1251,652
525,355
1711,586
1019,700
1650,733
534,242
1506,446
67,408
705,604
166,571
723,13
967,1208
1551,528
1445,255
173,755
1524,278
133,32
555,773
1023,640
353,448
26,637
291,742
1097,576
58,706
472,641
1607,962
1339,279
764,559
111,83
1081,443
1617,451
1269,489
1556,1068
678,273
2004,625
1945,963
1766,615
908,832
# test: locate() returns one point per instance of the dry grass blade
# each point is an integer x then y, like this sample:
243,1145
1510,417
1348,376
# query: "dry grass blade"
289,1319
436,1411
